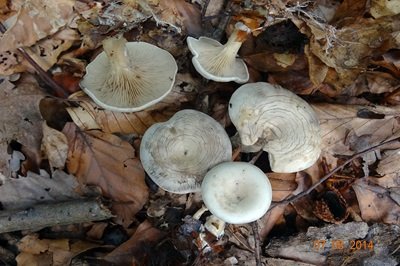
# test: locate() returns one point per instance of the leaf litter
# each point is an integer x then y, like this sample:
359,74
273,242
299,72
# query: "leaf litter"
343,58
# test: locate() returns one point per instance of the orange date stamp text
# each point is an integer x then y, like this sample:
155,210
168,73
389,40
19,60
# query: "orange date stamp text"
338,244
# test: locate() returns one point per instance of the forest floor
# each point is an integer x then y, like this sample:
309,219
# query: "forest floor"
73,189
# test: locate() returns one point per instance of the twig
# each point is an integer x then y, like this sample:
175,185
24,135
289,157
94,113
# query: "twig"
254,225
204,10
256,157
257,248
44,215
327,176
218,33
43,74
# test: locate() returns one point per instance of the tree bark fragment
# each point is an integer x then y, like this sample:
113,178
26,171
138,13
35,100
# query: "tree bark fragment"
44,215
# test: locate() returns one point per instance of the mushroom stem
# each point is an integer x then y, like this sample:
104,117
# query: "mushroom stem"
116,52
200,212
122,74
215,226
227,54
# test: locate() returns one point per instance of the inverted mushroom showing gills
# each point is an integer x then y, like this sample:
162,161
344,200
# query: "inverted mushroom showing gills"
236,192
278,120
177,154
129,76
218,62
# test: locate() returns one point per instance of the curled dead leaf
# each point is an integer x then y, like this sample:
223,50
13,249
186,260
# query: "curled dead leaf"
375,203
34,21
104,160
337,121
55,146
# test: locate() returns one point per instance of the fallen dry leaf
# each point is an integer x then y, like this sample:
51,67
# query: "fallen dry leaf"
283,185
269,61
317,70
369,125
381,8
20,120
57,252
389,168
24,192
375,203
45,53
55,146
104,160
132,251
34,21
182,14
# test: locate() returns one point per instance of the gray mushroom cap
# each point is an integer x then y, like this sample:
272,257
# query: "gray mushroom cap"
129,76
280,122
177,154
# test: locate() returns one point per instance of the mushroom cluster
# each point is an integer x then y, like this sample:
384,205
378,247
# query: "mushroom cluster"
129,76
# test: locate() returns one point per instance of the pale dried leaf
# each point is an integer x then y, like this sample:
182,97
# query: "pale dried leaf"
10,63
369,125
24,192
20,119
352,45
34,21
106,161
269,61
59,252
375,203
179,14
55,146
389,168
282,185
317,70
381,8
45,53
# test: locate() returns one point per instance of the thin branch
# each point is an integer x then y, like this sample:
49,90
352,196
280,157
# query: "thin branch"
43,74
51,214
257,247
256,157
204,9
327,176
254,225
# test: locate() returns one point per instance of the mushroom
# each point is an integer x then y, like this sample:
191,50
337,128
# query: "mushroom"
236,193
178,153
218,62
284,124
129,76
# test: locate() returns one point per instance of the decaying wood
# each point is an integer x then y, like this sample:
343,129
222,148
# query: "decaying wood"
337,245
44,215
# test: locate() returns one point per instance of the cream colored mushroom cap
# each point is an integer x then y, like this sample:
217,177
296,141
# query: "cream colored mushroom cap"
177,154
236,192
146,79
285,125
212,63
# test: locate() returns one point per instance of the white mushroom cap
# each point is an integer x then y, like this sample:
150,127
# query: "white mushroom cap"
129,76
285,123
236,192
178,153
218,62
